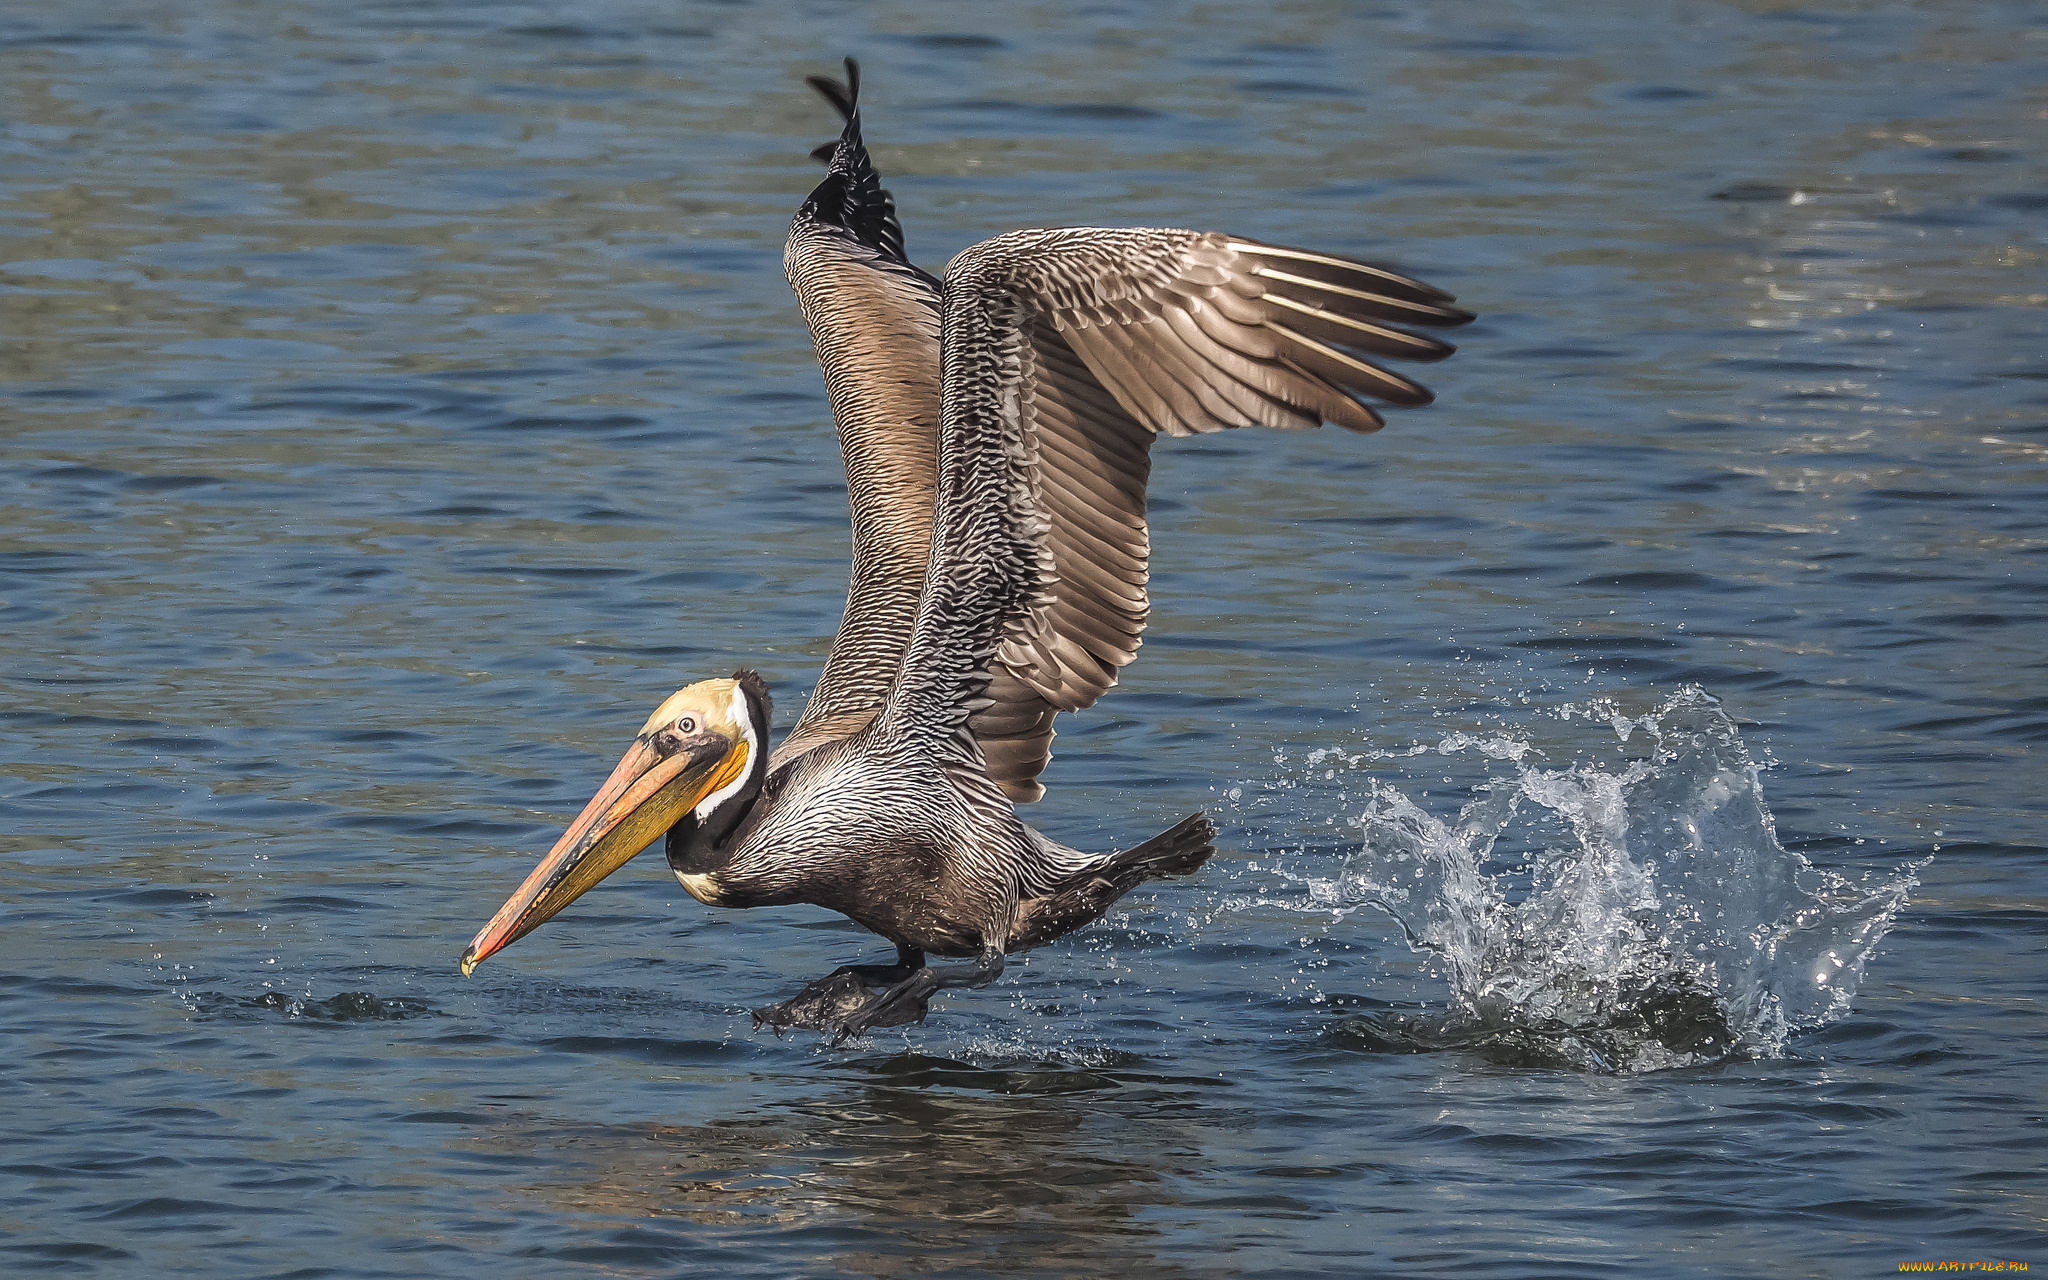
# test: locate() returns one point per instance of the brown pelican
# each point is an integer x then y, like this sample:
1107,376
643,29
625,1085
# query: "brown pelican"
997,429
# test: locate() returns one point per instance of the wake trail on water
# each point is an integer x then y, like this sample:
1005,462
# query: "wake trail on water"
1667,927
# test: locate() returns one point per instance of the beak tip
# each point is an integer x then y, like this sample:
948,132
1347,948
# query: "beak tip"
470,960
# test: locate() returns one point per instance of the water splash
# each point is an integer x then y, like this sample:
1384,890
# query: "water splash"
1668,928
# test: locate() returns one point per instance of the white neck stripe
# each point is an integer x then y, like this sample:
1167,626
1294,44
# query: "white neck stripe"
744,716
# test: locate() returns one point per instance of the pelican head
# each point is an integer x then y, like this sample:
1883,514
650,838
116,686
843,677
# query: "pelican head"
699,753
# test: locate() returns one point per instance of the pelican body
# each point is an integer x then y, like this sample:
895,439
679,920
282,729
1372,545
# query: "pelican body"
996,428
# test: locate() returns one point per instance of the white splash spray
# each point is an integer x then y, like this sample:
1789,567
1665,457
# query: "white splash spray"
1669,929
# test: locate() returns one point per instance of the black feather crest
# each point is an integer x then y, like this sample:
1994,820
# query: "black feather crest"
851,198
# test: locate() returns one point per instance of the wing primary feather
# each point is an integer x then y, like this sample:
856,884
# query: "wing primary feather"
1173,365
1377,339
1243,380
1197,364
1256,383
1415,289
1334,405
1401,308
1350,371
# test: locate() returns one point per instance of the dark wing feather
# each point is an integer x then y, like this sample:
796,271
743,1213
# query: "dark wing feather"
852,198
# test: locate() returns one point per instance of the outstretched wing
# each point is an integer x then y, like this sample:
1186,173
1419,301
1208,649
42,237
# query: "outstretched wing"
874,319
1065,353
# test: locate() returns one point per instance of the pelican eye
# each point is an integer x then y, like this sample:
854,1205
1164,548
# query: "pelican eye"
669,739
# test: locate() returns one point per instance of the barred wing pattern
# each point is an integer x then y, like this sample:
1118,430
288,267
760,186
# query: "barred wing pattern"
1064,353
874,320
867,317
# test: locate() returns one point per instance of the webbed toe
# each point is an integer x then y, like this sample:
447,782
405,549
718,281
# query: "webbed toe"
839,1000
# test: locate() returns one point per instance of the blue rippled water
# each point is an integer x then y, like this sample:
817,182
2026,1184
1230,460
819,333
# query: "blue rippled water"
399,399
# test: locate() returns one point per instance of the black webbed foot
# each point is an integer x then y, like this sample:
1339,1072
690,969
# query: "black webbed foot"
905,1001
827,1003
909,999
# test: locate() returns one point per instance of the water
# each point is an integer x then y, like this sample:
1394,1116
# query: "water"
400,399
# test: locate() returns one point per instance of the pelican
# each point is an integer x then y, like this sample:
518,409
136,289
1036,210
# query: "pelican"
996,428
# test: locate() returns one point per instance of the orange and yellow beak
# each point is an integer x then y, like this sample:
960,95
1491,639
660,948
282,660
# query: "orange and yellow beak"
644,797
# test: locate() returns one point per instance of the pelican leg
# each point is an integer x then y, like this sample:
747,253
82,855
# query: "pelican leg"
845,991
909,999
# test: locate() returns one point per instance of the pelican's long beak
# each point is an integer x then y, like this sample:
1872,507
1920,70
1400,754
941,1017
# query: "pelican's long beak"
642,799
